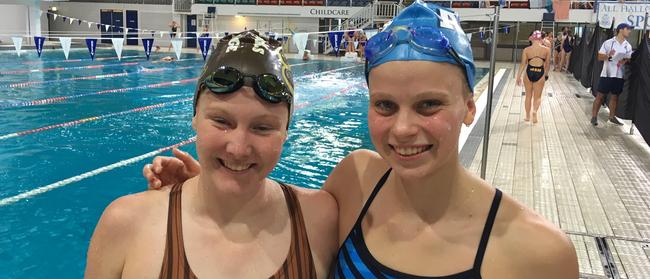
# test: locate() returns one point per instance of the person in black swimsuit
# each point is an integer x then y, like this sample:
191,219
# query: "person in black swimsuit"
174,28
536,60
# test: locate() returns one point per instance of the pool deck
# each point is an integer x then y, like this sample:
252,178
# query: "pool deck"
593,182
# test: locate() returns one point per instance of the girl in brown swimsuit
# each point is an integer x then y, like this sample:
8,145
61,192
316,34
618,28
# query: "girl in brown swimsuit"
231,221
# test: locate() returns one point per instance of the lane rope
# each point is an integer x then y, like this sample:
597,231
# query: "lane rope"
146,71
59,184
89,119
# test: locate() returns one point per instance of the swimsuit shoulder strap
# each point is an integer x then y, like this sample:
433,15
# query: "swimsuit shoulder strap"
174,260
299,262
480,253
372,196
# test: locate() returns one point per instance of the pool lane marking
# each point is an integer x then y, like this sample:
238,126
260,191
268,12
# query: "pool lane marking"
35,62
77,178
328,96
89,119
327,72
30,83
99,66
122,90
117,90
481,103
59,184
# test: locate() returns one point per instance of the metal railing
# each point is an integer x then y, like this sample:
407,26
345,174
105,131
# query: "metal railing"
182,6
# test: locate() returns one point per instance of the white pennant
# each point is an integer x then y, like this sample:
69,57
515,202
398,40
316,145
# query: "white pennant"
55,15
65,45
118,44
178,46
106,27
469,37
18,44
90,24
161,34
71,20
300,39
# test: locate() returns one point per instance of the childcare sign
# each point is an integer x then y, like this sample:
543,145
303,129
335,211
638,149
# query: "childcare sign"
617,13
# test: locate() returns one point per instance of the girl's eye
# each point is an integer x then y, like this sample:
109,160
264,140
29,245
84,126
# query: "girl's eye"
385,107
221,121
263,128
428,106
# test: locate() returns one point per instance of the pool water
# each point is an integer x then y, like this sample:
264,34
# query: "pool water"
62,119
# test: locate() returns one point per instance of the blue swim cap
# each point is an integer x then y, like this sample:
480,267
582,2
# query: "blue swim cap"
422,32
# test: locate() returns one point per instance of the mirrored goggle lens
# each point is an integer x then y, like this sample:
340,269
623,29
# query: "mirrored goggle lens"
273,88
224,79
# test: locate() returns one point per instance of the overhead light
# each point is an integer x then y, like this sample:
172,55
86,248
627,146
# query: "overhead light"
239,16
54,9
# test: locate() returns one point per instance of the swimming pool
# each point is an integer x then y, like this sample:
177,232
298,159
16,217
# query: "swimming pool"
78,127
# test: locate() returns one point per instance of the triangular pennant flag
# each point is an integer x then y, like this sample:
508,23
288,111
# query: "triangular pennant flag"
18,44
178,46
90,24
65,45
469,36
106,27
99,25
204,44
38,41
118,44
92,45
147,43
153,33
161,33
71,20
300,40
79,22
64,18
55,15
335,41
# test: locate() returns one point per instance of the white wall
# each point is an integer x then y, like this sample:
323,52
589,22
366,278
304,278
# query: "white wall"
264,24
150,17
19,19
279,11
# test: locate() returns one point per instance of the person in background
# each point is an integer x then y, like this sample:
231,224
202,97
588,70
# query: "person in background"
172,34
536,61
615,52
362,44
558,48
306,55
567,48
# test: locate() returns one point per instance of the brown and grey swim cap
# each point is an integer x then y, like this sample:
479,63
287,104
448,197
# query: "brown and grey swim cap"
249,53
